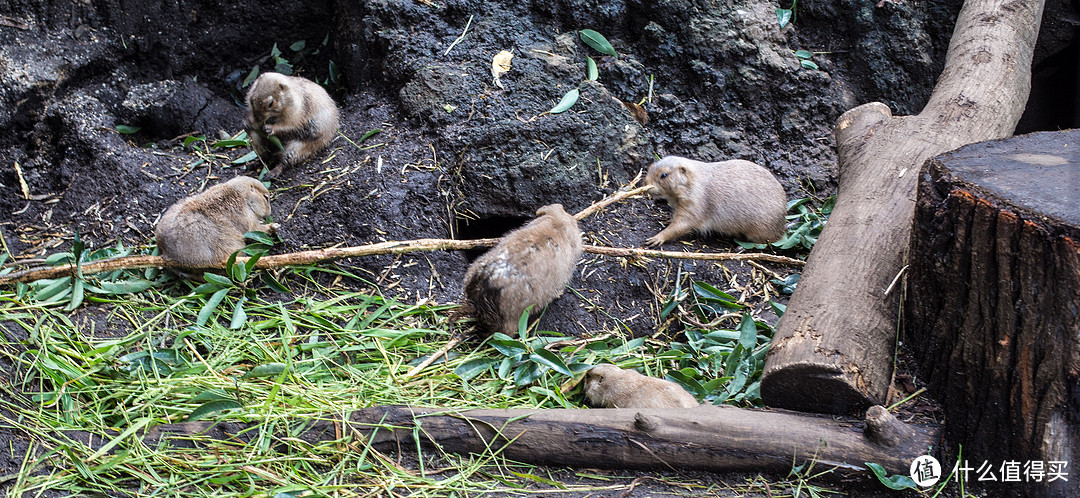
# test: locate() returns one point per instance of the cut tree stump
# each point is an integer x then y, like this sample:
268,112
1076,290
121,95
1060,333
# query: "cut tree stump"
708,438
834,346
993,300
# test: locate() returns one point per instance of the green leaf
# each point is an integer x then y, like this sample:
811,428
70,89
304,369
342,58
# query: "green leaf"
125,286
803,54
591,70
541,480
212,407
208,308
370,134
239,317
473,367
53,291
219,280
808,64
568,101
598,42
77,291
230,143
747,332
272,282
275,52
783,16
249,265
195,138
507,346
246,158
251,77
261,237
550,360
211,395
127,130
778,308
527,373
276,141
896,482
266,370
298,46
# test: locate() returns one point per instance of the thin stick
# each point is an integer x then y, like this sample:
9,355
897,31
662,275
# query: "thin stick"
431,359
617,196
463,32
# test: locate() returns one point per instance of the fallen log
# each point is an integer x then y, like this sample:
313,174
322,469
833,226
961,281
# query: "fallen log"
993,302
709,438
834,347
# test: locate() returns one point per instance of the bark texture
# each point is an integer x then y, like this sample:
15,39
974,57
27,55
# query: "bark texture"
993,308
834,346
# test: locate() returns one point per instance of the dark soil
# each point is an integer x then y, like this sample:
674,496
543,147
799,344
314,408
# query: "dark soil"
457,156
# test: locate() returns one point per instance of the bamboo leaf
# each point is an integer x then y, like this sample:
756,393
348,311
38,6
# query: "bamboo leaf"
592,72
598,42
239,317
266,370
474,367
208,308
550,360
127,130
246,158
212,407
896,482
568,101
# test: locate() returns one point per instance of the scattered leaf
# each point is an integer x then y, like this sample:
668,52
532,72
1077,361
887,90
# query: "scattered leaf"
266,370
212,407
246,158
500,64
804,54
568,101
592,72
297,46
127,130
896,482
808,64
598,42
783,16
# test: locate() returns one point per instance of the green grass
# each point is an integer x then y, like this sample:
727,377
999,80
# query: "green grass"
123,362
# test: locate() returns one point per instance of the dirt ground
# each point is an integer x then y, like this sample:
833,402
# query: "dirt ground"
456,156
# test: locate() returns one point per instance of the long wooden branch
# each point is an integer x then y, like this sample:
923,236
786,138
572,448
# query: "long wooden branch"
393,247
709,438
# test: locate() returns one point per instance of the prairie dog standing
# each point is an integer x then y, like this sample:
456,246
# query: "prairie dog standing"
609,386
736,198
203,230
296,111
529,267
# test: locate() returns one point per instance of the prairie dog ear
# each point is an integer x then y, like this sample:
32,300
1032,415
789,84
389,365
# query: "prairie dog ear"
682,169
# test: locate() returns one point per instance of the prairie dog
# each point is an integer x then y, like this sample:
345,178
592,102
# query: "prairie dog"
203,230
296,111
529,267
609,386
735,198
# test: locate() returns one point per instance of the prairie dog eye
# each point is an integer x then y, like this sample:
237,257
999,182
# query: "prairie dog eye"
663,175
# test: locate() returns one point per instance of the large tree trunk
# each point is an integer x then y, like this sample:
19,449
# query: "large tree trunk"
834,346
710,438
993,308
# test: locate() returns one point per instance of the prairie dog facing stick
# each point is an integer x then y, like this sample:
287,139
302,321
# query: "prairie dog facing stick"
735,198
297,111
203,230
529,267
608,386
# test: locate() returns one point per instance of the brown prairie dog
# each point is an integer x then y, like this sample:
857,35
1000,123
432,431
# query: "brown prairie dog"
203,230
529,267
608,386
734,198
296,111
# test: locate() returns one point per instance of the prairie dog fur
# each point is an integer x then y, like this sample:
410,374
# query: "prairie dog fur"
296,111
529,267
203,230
608,386
735,198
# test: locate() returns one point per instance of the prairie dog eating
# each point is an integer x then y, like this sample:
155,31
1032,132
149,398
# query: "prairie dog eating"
203,230
608,386
529,267
297,111
735,198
